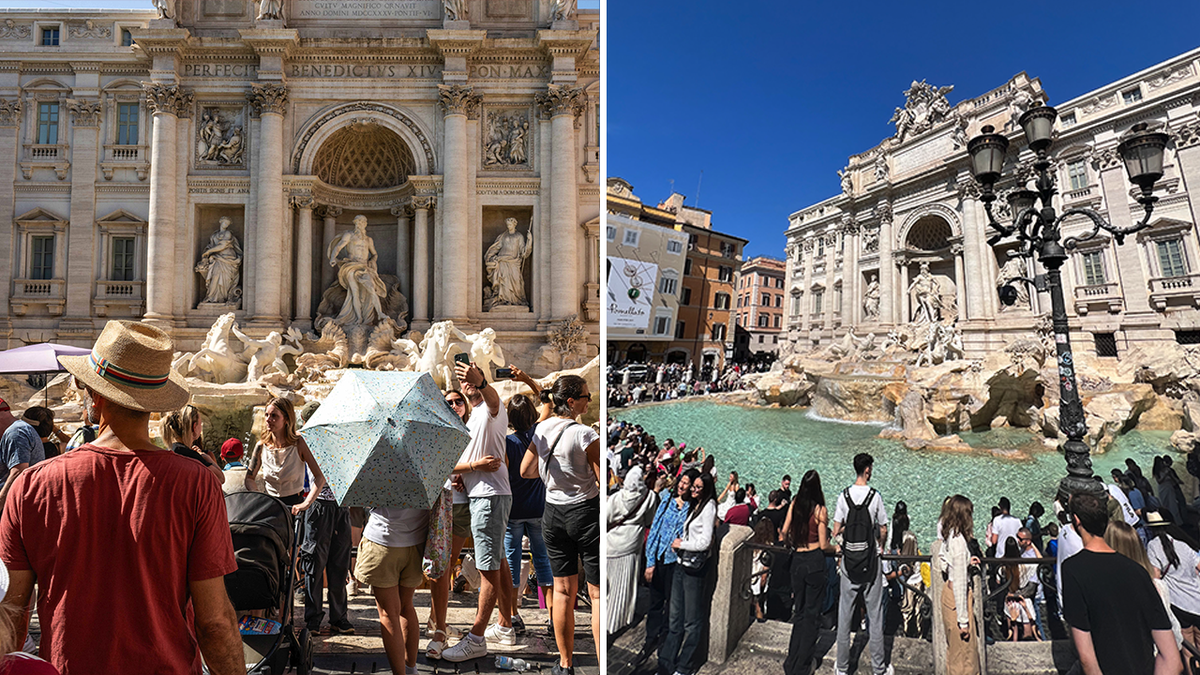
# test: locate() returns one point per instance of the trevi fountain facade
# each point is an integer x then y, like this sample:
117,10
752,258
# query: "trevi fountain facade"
291,189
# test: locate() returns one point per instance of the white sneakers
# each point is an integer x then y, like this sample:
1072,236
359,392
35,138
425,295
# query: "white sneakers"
501,635
465,650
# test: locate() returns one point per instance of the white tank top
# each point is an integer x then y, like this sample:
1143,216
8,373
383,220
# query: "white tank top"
282,470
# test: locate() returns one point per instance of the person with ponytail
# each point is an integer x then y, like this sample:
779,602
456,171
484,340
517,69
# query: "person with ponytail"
1173,554
687,593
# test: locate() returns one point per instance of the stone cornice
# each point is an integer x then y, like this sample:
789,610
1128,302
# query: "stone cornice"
171,99
268,98
565,42
561,100
270,41
86,66
456,42
160,40
426,185
457,99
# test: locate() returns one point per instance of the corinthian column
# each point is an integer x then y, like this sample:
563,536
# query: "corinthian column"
403,256
887,267
270,102
458,102
420,264
85,120
329,216
562,105
304,258
167,102
10,122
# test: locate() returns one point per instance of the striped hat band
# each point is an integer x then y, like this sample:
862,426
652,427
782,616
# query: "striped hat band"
117,375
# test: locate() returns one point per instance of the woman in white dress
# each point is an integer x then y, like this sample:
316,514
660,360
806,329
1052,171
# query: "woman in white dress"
630,511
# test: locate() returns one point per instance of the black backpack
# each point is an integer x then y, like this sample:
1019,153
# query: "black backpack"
859,555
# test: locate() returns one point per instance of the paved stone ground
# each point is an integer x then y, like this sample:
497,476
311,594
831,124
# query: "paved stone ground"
363,652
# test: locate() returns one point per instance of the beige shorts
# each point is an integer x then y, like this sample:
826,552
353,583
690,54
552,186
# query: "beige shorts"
462,521
385,566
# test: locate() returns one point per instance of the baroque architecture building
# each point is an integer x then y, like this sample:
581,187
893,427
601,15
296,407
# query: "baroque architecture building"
759,307
906,241
212,156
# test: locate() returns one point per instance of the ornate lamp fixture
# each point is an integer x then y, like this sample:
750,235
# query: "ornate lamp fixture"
1038,231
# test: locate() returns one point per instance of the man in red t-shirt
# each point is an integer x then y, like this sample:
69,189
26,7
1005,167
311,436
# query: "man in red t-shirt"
739,513
126,541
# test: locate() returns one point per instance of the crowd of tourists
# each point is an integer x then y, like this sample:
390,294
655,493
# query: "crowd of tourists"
670,382
1111,557
154,522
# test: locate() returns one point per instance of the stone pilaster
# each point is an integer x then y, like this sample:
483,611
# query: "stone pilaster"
458,103
420,265
905,310
304,261
85,123
329,216
403,216
806,307
887,266
831,245
562,105
1116,197
270,102
10,122
1187,154
167,103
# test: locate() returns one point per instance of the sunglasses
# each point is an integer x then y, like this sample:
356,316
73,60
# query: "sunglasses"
456,401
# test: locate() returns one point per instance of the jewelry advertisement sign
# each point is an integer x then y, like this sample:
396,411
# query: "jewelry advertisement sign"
630,292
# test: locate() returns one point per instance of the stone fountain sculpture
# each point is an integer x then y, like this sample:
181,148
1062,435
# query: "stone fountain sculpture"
220,264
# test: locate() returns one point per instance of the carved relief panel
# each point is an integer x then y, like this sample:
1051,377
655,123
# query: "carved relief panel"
506,136
221,135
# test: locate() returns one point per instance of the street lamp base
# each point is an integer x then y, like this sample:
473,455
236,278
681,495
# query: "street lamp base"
1073,485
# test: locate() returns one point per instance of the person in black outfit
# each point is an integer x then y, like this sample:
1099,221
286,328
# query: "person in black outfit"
1116,616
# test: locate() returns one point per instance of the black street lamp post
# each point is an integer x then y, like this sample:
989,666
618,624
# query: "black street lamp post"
1038,232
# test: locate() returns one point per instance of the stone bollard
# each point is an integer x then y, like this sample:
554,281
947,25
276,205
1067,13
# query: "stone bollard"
730,616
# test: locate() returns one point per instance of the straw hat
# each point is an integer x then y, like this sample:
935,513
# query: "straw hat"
130,365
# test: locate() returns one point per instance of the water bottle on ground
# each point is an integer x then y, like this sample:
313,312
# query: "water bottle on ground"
509,663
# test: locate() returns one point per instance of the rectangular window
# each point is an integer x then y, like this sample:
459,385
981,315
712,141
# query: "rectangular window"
1093,268
1077,174
762,320
122,260
1187,337
1068,120
674,246
725,274
692,242
680,327
820,246
775,340
726,249
1170,258
687,266
760,339
127,124
739,302
661,325
778,282
48,123
611,232
818,299
778,318
779,301
50,36
718,332
766,299
721,301
126,37
42,263
1132,96
631,238
686,298
1106,344
668,285
795,304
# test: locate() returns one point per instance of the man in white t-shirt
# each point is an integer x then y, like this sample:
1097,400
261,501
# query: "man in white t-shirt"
1003,527
484,472
389,561
872,590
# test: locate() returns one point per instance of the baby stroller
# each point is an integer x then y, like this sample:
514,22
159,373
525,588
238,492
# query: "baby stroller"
264,544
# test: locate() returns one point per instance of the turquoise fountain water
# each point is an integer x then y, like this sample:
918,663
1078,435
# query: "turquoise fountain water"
762,444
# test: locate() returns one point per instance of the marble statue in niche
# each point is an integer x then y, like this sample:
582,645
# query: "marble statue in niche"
871,299
219,139
220,265
504,262
359,275
269,10
564,10
1012,273
506,141
166,8
927,293
456,10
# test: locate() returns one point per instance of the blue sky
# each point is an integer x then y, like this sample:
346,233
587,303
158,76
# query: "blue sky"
769,98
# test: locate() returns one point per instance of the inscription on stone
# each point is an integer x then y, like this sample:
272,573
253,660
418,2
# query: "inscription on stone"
238,70
364,70
402,10
921,154
509,70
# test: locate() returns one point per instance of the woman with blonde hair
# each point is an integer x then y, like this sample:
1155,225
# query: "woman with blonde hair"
280,456
954,562
180,430
1125,540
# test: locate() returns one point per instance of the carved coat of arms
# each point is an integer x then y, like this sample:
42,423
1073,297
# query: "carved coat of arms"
925,105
